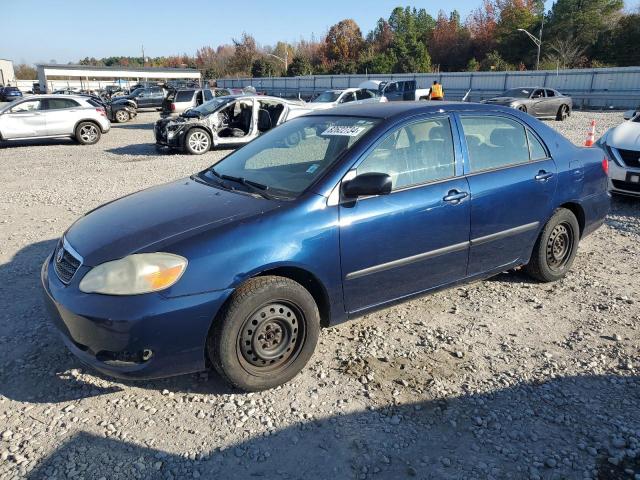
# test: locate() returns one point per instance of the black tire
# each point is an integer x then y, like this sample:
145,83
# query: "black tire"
275,310
556,247
88,133
122,116
197,141
563,113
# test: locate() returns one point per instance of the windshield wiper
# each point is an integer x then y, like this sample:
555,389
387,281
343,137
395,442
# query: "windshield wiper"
257,187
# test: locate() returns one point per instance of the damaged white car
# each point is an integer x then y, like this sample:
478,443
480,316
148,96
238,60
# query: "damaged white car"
225,121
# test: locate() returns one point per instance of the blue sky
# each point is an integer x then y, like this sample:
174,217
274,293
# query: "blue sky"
68,30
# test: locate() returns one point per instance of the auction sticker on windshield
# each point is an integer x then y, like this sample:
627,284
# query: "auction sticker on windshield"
345,131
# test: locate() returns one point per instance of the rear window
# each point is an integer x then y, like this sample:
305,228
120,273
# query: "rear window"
93,103
10,89
184,96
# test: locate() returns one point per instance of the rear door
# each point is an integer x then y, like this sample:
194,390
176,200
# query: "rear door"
409,90
512,181
553,102
61,115
24,120
417,237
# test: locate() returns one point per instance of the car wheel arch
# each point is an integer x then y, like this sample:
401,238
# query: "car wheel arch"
90,120
304,277
204,128
578,211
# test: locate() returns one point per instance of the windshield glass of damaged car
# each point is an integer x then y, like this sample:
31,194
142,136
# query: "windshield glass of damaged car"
290,158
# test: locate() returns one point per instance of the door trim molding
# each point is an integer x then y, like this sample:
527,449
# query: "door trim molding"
504,233
401,262
407,260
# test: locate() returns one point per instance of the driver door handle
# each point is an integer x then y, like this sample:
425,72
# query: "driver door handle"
454,196
543,176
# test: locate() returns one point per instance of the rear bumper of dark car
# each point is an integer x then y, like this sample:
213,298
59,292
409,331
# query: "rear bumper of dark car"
140,337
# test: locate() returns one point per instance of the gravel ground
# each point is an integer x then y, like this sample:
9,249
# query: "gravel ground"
499,379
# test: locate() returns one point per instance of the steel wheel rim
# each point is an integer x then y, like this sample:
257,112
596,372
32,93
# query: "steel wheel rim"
199,142
559,246
271,338
122,116
563,113
88,133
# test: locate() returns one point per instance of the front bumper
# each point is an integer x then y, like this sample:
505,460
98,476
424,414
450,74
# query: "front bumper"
162,137
624,180
139,336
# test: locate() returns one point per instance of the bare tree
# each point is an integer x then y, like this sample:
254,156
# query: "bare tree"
566,53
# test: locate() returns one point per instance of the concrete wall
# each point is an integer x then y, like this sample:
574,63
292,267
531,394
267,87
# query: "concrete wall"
7,74
594,88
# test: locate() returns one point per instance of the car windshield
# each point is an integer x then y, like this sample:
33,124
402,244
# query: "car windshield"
327,97
137,92
517,93
207,108
287,160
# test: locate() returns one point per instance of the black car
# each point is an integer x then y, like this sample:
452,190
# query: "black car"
120,112
144,97
9,94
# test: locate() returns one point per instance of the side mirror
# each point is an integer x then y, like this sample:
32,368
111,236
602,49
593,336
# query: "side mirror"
366,184
629,114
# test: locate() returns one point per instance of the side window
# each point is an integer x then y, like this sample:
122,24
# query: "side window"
60,103
363,94
208,95
494,142
26,106
538,93
417,153
550,93
392,88
409,86
536,149
348,97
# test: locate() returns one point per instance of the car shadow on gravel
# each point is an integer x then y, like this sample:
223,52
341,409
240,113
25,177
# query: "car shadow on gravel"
35,366
143,150
566,427
37,143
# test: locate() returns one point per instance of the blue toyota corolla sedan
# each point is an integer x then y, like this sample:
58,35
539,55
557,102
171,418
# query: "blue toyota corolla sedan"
325,218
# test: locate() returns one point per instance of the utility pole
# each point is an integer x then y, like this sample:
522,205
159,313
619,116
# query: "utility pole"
537,41
143,55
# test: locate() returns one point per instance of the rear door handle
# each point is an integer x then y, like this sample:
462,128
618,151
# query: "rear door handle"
543,176
454,196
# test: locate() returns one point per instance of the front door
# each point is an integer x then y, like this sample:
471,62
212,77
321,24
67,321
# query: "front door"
512,180
393,92
24,120
417,237
538,103
242,128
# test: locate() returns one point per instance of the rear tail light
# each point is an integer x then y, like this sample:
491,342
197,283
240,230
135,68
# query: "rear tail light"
173,107
605,165
101,111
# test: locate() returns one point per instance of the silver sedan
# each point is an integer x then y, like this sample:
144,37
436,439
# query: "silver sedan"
537,101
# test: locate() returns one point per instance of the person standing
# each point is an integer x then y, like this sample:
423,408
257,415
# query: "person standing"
436,92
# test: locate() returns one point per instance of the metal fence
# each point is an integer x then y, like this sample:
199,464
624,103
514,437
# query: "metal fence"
590,88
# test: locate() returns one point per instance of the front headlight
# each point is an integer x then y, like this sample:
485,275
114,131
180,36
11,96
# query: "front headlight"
135,274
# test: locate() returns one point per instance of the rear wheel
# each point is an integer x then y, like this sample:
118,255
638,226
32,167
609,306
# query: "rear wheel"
266,333
563,113
88,133
197,141
122,116
556,247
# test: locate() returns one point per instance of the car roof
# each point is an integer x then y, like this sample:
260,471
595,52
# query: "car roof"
385,110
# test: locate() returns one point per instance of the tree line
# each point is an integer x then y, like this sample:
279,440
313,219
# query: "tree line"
575,34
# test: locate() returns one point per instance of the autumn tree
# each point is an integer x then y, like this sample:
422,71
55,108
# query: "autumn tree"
449,44
245,53
25,72
481,25
343,43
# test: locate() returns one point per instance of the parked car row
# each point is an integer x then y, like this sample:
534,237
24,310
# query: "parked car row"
9,94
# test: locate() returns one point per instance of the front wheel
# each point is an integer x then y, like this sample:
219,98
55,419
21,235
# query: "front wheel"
122,116
197,141
266,333
556,247
88,133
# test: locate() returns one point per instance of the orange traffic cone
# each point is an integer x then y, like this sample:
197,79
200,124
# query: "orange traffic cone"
591,135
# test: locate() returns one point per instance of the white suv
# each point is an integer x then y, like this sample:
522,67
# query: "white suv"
52,116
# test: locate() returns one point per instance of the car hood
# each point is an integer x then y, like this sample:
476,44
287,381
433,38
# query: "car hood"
167,212
503,100
625,136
